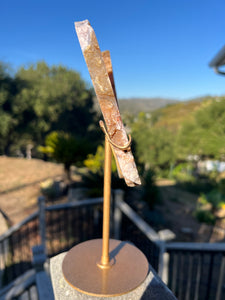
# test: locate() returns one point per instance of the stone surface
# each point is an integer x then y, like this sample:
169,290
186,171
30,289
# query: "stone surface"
107,100
152,288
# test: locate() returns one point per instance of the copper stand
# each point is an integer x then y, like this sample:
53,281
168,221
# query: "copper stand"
121,267
105,260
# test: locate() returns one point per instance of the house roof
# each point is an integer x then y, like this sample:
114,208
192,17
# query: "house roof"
218,61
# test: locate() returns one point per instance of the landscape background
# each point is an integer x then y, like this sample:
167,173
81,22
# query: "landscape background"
172,104
49,114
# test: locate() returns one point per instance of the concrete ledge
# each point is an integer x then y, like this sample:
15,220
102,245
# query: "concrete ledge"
152,288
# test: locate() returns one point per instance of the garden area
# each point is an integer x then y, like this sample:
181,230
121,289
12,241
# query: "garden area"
49,133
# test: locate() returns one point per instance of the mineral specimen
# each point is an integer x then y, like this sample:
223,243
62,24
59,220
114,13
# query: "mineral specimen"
107,100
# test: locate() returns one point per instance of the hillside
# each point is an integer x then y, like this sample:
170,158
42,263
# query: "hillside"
136,105
174,115
166,110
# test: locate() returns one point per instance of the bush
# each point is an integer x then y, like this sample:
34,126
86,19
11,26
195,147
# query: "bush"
47,188
94,183
205,216
221,186
197,186
162,173
150,190
207,206
53,189
65,148
202,200
183,172
94,178
95,163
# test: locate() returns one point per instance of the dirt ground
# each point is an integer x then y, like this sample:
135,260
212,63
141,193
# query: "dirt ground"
175,211
177,208
20,185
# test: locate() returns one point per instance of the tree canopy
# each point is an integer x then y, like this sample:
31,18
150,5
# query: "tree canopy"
40,99
66,149
204,134
154,145
177,132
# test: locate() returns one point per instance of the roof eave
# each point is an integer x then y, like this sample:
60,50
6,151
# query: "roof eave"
218,60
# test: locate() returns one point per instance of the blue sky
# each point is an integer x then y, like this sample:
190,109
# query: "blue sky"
159,48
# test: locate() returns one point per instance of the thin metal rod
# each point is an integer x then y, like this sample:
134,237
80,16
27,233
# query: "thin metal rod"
105,260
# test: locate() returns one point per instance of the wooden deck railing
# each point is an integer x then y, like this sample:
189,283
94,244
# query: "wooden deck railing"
72,223
196,270
15,248
58,227
191,270
130,226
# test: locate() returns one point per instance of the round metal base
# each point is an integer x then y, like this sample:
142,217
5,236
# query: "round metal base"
129,268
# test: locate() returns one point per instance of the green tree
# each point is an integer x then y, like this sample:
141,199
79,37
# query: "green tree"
154,145
45,99
95,162
66,149
59,99
204,134
9,87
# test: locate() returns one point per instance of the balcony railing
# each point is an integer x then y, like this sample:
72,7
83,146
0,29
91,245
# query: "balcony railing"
192,271
15,248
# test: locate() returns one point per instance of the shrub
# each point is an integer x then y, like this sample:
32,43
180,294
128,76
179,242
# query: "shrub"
216,198
207,206
94,183
47,188
95,163
94,178
205,216
150,190
202,200
183,172
65,148
221,186
51,189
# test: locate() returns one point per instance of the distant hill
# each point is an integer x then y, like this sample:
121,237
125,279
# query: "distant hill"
174,115
166,112
136,105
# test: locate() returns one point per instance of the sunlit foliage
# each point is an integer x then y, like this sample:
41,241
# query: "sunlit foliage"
39,99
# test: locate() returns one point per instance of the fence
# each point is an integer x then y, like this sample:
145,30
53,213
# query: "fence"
196,270
58,227
71,223
129,226
192,271
15,248
24,287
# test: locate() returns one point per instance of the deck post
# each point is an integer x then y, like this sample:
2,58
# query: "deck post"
43,281
119,195
42,222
